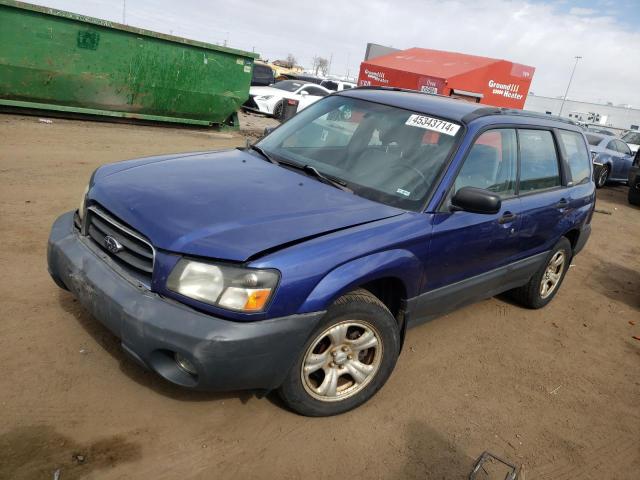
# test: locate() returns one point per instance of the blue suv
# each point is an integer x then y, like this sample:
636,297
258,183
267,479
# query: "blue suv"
297,264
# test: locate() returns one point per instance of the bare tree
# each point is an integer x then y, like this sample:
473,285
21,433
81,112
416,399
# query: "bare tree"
320,65
291,60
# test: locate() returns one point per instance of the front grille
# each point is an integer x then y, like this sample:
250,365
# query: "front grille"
250,103
120,242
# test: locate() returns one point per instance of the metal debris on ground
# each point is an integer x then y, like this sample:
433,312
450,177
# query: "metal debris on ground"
491,467
56,475
606,212
45,120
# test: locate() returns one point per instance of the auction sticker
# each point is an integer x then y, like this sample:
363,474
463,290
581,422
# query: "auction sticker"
434,124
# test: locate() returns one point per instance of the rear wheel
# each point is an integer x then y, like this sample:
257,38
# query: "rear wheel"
546,282
634,192
602,176
347,359
278,110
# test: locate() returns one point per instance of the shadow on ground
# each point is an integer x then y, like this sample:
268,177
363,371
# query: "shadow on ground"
617,282
38,451
431,456
111,344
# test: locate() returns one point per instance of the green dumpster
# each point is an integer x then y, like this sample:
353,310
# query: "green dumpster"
61,61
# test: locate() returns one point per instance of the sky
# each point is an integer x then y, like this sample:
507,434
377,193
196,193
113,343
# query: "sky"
544,34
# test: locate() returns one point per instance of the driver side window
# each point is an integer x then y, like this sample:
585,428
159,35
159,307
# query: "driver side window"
491,164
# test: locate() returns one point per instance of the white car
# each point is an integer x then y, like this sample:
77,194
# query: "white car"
337,85
270,100
632,138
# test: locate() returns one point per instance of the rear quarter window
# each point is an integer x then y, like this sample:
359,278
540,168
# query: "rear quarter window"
577,156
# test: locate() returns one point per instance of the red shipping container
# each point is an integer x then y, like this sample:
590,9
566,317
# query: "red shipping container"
477,79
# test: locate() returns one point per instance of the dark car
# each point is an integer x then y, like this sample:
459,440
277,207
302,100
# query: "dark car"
262,75
634,180
298,264
611,157
301,78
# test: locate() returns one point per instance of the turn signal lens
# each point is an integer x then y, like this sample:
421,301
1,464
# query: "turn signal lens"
245,299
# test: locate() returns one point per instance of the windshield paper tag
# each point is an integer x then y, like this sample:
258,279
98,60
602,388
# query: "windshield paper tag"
434,124
403,192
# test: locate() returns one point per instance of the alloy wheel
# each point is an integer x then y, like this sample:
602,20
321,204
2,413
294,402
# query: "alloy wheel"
552,274
342,360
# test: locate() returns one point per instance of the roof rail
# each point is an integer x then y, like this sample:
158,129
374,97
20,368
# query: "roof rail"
397,89
486,111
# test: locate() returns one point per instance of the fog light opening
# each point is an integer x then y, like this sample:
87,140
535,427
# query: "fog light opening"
185,365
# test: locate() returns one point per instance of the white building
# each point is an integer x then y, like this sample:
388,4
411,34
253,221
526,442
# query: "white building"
622,118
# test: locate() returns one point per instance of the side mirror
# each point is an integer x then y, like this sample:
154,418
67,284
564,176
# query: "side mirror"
268,130
476,200
304,93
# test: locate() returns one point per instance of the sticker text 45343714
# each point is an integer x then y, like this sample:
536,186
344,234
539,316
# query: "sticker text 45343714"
434,124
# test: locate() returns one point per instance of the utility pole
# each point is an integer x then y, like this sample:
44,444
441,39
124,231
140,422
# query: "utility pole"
569,85
124,12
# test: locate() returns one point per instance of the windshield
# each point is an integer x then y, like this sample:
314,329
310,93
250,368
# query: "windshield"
382,153
288,85
631,137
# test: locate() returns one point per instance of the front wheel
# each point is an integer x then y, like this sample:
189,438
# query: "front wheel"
546,282
347,359
602,176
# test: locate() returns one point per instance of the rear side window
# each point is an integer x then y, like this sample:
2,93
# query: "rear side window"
622,147
539,168
491,163
577,156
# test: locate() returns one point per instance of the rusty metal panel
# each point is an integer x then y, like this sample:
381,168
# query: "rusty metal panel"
66,62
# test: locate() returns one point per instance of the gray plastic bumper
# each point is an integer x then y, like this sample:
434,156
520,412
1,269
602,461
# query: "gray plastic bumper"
227,355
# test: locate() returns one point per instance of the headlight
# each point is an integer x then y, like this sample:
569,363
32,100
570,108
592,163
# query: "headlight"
233,288
82,207
264,97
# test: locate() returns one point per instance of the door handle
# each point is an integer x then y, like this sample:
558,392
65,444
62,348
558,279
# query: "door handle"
563,203
507,217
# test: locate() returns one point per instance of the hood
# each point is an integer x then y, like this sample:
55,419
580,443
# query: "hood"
266,91
227,205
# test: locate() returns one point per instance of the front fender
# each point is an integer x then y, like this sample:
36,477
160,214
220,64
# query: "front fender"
400,264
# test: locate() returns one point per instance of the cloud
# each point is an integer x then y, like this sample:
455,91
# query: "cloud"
581,11
539,34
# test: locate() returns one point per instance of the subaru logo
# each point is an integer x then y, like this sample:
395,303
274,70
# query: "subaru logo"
111,244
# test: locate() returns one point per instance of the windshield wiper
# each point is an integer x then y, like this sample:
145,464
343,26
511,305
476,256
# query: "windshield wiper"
262,152
323,178
305,168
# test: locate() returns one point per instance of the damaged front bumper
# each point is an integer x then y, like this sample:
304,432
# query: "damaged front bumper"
227,355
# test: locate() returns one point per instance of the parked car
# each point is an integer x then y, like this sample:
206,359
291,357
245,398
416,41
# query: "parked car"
270,100
337,85
601,131
611,158
301,78
632,139
634,180
262,75
298,264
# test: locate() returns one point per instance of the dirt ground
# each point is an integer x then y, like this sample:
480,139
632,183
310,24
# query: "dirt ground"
556,391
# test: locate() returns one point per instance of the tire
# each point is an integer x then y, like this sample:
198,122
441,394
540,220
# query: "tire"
533,295
634,193
278,110
326,386
602,175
